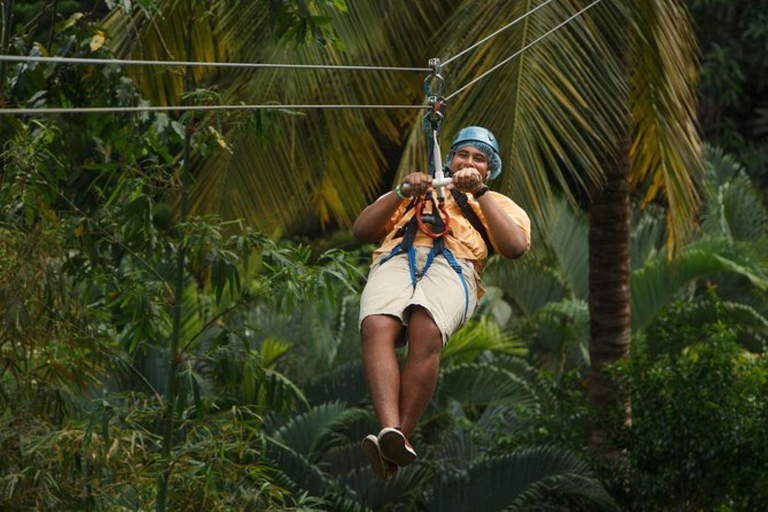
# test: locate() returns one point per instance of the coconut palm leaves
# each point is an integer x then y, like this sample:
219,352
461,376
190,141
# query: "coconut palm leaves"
544,105
278,173
328,163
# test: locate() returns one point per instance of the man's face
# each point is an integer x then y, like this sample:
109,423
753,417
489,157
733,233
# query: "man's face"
470,157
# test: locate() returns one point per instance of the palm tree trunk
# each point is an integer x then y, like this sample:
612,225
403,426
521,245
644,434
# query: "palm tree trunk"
609,272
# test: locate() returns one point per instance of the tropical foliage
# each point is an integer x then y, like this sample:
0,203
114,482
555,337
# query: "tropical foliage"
689,447
732,114
269,401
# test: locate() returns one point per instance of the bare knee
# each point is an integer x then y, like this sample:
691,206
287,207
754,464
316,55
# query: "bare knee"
380,329
424,336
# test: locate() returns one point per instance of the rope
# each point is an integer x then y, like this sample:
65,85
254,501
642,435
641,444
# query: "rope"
176,108
129,62
502,29
517,53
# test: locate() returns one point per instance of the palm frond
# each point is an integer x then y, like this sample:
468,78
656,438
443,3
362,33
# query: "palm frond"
492,305
296,473
531,375
345,384
549,107
311,433
560,337
330,163
344,459
647,236
734,208
477,337
394,493
578,488
721,166
457,449
271,350
527,285
654,285
666,150
484,385
498,483
245,377
567,233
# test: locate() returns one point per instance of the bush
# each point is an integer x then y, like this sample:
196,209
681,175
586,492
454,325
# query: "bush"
699,433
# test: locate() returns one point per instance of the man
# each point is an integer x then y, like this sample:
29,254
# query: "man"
423,287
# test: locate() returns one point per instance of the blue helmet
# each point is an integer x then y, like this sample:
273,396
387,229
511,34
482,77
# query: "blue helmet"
482,139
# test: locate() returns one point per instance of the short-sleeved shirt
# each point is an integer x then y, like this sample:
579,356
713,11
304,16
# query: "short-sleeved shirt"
464,241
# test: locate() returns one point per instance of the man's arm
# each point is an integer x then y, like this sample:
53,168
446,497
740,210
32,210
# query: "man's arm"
371,223
505,234
511,241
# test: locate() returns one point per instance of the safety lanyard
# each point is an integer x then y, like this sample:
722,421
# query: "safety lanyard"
438,217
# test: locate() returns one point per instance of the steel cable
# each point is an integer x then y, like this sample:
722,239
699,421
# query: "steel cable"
171,63
173,108
490,36
517,53
177,108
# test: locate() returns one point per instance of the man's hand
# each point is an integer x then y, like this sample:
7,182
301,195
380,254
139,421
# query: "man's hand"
417,184
467,180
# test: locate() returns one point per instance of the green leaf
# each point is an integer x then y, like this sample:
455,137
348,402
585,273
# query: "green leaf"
517,481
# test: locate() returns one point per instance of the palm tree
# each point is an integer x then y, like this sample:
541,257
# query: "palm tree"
658,148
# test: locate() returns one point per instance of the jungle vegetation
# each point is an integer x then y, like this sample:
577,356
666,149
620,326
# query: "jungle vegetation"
179,291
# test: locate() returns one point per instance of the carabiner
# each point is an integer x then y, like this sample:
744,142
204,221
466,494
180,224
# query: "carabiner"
433,122
420,202
434,79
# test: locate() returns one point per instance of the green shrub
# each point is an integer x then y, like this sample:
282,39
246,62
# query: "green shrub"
698,438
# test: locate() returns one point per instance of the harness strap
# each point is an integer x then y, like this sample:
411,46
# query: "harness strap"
434,219
456,266
463,201
438,247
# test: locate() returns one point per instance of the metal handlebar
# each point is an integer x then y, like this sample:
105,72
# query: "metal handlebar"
436,183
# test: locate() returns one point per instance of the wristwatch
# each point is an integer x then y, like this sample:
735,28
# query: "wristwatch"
477,195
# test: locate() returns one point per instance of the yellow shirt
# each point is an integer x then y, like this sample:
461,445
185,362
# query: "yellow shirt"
464,241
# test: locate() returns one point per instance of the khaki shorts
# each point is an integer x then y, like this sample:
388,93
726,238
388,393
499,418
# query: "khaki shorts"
389,291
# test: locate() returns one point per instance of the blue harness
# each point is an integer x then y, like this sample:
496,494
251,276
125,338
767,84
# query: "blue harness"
408,234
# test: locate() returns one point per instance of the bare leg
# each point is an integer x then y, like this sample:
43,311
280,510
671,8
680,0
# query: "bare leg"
380,366
421,368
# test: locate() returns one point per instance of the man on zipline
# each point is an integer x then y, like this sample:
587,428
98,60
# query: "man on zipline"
423,284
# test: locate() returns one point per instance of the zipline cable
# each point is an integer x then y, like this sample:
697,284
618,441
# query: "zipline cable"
502,29
172,63
517,53
177,108
174,108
